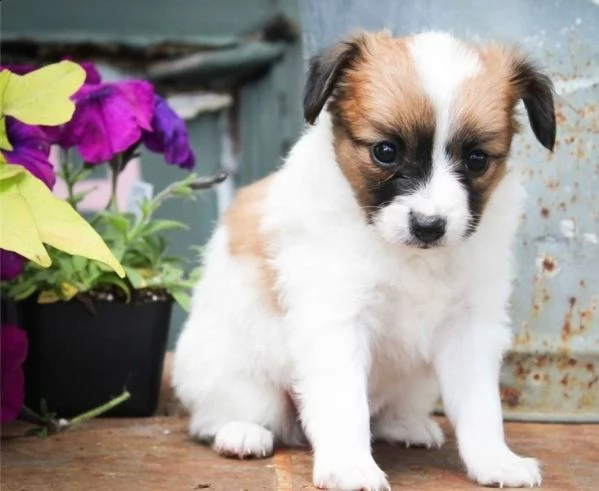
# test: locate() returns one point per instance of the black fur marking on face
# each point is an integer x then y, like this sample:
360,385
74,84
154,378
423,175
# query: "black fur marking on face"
462,143
413,170
475,199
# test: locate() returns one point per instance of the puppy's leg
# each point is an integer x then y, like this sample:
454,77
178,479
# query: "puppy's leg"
242,417
407,416
332,364
467,361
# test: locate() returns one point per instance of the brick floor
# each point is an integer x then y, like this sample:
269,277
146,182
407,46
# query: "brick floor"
156,454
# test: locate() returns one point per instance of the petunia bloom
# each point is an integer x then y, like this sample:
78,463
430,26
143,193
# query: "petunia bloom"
92,77
13,351
109,118
31,149
169,136
11,265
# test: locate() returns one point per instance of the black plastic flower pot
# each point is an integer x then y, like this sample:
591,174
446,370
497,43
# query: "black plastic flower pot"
81,357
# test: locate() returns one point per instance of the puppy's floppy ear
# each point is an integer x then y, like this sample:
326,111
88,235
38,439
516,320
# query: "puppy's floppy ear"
536,91
324,73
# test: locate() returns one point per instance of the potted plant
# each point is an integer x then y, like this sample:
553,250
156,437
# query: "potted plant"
93,334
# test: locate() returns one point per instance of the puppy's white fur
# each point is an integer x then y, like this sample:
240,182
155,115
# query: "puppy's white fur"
371,330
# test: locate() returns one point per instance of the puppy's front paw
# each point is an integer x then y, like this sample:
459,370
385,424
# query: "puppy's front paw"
341,472
504,469
419,432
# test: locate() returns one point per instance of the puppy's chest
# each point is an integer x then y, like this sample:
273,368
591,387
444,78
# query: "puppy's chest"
411,310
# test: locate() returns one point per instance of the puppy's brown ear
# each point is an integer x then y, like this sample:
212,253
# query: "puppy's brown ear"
325,70
536,91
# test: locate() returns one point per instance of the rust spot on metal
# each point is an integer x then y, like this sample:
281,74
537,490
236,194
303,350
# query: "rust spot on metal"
565,379
567,325
593,381
552,184
582,283
572,362
548,264
540,360
545,212
590,367
510,395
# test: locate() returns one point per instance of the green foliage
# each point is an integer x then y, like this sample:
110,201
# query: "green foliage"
139,243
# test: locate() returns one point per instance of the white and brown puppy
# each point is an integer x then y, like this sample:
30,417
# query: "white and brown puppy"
372,272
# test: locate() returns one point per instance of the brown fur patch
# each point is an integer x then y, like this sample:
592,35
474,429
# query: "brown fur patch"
484,115
246,239
378,98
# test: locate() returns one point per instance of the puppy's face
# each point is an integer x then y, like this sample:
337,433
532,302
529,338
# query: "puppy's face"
422,127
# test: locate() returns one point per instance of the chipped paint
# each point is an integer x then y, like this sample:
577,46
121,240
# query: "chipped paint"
563,87
567,227
590,237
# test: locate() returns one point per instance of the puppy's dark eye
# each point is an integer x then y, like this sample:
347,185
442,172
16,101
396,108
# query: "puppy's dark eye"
477,162
384,153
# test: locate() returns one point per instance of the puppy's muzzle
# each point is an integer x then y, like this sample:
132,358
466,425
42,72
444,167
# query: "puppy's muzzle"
427,228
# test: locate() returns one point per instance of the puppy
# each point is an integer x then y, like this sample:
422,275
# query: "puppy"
371,273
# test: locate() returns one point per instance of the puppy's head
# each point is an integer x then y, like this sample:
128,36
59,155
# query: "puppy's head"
423,126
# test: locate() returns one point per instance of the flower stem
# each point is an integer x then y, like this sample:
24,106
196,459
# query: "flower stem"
116,166
29,416
53,425
69,178
100,409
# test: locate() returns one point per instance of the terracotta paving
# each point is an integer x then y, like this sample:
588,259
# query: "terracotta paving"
156,454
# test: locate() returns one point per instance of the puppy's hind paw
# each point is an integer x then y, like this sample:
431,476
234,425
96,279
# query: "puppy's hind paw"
243,440
417,432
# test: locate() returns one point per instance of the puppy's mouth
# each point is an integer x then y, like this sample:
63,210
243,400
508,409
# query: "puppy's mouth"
418,244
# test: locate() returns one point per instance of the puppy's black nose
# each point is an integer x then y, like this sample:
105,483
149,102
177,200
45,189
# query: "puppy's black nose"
427,228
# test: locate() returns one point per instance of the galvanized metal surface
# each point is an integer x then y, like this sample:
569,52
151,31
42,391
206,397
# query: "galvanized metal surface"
553,371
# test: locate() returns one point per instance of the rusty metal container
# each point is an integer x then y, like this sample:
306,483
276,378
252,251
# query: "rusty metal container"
552,374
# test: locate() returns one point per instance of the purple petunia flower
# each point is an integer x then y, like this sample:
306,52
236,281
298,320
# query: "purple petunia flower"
11,265
13,349
92,77
109,118
31,149
169,136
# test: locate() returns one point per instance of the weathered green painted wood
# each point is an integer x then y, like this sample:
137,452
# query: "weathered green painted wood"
138,22
200,214
270,111
216,68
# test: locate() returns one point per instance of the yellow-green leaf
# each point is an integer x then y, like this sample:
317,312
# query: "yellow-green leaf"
68,290
42,96
48,296
4,143
18,229
4,78
8,171
37,216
